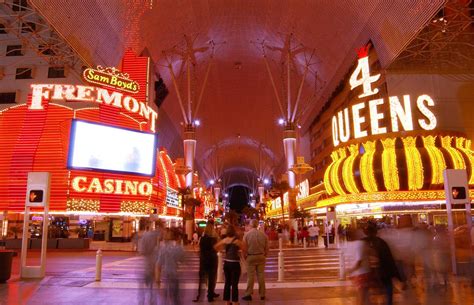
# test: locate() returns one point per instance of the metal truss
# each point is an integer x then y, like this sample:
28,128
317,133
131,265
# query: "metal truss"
34,33
445,45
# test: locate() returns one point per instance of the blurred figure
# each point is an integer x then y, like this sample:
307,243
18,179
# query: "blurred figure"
208,262
441,256
256,243
232,246
423,249
402,247
169,255
148,248
313,232
381,261
359,272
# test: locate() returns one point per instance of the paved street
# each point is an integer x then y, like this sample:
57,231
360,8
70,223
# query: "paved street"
311,278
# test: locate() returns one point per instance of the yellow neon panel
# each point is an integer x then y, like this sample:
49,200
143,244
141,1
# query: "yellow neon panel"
334,174
458,160
389,165
438,164
414,164
327,180
465,146
347,170
367,167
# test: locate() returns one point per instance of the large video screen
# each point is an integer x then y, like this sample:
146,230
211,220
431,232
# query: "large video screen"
99,147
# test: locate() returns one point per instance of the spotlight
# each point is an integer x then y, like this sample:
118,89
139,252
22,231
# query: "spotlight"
197,122
226,195
211,182
266,181
281,121
251,194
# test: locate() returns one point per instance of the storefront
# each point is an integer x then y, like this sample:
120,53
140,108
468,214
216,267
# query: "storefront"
100,145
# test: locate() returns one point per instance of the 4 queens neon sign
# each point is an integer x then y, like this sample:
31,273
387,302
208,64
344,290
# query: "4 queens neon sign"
111,78
350,123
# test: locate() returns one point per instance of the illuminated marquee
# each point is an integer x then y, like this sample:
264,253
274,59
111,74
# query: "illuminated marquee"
81,184
78,93
303,190
347,123
172,198
112,78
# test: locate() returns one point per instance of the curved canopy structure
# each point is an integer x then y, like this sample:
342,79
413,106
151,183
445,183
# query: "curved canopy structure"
239,110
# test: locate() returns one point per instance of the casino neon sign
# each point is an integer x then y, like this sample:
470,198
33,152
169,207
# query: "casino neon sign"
347,123
79,93
81,184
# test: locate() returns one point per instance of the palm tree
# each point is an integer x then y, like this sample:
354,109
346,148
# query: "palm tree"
301,215
277,190
250,212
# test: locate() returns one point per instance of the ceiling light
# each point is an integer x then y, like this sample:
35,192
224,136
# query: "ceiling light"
211,182
266,181
197,122
281,121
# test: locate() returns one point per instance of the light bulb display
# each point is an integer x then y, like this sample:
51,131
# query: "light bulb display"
389,165
414,164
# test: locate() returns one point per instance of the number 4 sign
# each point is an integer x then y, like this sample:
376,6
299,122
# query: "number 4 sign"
361,75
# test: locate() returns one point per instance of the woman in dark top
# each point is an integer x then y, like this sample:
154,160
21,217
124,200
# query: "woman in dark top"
232,246
208,262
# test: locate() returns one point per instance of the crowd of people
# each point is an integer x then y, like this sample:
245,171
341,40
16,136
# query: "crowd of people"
378,254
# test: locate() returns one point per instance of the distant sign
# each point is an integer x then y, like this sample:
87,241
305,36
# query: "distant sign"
112,78
172,198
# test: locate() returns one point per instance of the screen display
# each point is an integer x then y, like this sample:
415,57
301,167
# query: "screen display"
100,147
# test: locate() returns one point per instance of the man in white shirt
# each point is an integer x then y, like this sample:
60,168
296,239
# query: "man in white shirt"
256,243
313,235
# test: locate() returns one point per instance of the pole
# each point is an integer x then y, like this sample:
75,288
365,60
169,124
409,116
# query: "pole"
304,243
281,266
98,265
342,267
220,267
280,244
451,236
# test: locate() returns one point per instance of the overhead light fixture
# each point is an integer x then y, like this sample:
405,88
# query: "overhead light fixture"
197,122
281,121
226,195
211,182
266,181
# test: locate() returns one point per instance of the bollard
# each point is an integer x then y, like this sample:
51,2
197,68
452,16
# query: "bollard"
280,244
98,265
281,266
304,243
220,268
342,267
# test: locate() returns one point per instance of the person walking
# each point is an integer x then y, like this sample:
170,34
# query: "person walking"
208,262
232,246
383,265
256,243
314,235
169,256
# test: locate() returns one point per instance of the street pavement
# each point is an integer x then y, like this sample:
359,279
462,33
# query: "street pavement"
311,277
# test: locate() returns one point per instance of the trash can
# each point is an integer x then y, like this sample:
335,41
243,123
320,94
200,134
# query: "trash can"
6,259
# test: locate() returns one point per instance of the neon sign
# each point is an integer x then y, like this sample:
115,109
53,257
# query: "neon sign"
112,78
76,93
172,199
347,123
303,190
81,184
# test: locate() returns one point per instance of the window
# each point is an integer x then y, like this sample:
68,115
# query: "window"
45,50
56,72
24,73
7,97
14,50
3,30
28,27
19,5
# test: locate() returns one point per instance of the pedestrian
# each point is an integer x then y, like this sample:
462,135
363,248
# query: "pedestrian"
169,256
232,246
313,235
256,243
208,262
304,235
360,270
148,248
383,265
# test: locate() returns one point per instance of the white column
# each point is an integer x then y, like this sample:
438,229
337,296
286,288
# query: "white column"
217,193
260,192
189,141
289,144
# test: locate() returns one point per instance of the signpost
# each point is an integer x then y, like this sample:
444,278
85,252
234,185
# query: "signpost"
37,197
457,191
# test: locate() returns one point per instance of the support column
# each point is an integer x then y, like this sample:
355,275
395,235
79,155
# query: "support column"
217,193
260,192
189,141
289,144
